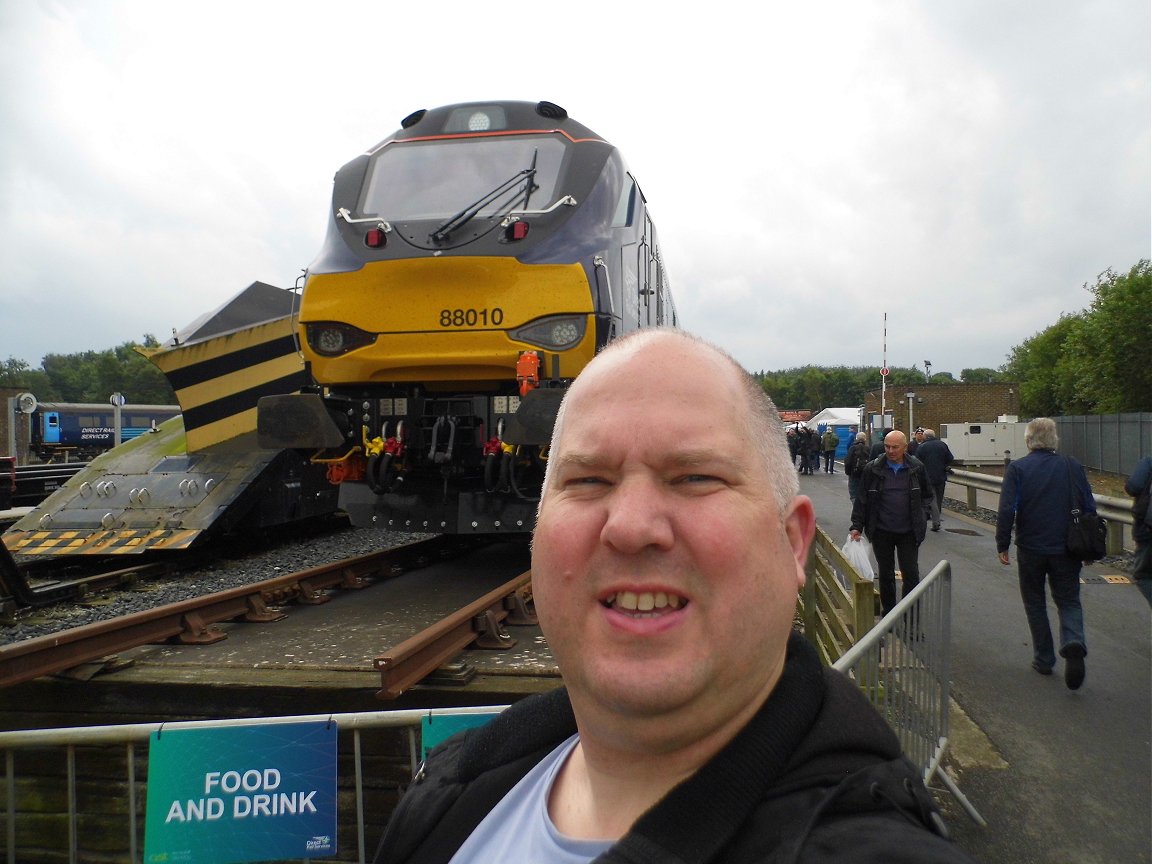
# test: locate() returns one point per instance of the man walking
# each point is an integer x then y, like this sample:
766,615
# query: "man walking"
854,463
917,440
830,442
1139,486
936,456
889,510
1037,497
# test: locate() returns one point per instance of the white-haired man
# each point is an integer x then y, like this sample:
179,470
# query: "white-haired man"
1036,497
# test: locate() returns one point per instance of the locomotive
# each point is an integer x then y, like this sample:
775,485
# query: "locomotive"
82,431
474,262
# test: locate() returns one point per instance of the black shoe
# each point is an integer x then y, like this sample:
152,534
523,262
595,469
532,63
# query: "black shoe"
1073,665
936,527
1043,670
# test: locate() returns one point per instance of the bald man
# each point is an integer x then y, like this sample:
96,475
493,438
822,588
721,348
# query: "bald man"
694,725
889,511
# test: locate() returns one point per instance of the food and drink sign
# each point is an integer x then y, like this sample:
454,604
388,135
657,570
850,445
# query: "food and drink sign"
231,794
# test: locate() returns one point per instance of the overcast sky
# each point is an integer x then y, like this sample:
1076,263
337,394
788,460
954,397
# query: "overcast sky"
965,167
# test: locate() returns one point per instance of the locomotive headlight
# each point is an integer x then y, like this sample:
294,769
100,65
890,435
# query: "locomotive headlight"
555,334
331,338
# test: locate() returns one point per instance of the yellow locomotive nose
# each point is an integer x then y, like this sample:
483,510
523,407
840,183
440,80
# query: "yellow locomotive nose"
444,320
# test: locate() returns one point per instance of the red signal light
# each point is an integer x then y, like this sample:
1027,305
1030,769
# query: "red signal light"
516,231
375,238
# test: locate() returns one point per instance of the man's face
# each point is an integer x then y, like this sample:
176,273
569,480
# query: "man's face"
895,445
919,437
664,574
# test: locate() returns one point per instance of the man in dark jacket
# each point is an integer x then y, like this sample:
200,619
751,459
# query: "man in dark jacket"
695,726
854,462
889,511
1139,486
1037,496
936,456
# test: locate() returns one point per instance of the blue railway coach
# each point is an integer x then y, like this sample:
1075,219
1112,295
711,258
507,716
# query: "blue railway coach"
83,431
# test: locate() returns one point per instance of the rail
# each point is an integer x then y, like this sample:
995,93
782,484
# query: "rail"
479,623
1118,511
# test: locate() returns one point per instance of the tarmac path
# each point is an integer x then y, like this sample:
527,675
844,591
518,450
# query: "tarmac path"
1060,776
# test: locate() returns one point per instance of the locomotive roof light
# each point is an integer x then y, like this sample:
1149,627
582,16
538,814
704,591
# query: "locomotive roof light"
476,118
554,333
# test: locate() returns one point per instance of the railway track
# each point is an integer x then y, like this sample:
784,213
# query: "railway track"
192,621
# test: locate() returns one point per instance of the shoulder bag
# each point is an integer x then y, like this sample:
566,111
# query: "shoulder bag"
1087,532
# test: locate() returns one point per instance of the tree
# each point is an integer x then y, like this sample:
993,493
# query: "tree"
19,376
1096,362
1035,365
981,375
93,376
1109,358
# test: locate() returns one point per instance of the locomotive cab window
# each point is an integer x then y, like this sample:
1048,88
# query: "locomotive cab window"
626,206
436,179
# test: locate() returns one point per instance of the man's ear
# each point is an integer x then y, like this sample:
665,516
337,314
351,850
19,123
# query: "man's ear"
800,527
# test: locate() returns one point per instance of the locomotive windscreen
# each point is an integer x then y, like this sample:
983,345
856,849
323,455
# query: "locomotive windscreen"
435,179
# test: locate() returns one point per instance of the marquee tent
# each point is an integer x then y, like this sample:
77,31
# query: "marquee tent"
836,417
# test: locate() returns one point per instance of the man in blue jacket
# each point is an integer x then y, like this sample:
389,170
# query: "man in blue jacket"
1139,486
936,456
1037,497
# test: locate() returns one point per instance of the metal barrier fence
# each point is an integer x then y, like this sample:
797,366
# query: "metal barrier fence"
1107,442
903,665
130,736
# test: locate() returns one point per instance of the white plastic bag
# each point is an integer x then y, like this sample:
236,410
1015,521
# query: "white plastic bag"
859,555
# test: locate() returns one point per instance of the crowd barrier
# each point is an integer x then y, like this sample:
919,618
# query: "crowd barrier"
903,666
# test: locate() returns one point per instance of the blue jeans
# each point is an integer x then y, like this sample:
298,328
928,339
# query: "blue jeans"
888,547
1063,576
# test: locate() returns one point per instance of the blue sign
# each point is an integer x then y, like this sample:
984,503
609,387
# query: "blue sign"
435,728
232,794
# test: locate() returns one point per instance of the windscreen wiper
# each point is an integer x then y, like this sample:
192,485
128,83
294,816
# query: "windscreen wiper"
468,213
